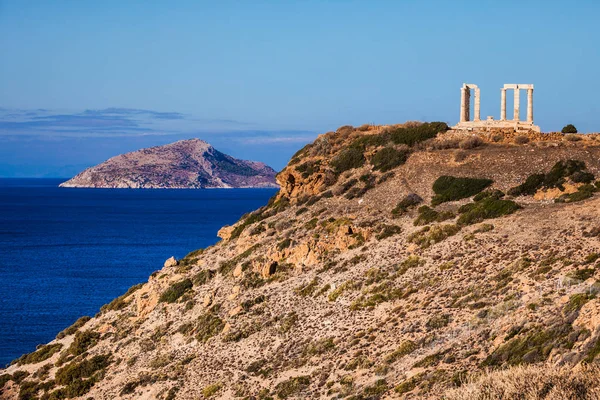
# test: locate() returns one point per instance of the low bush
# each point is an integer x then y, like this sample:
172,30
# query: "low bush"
73,328
119,303
582,193
486,208
521,139
432,235
175,291
348,159
449,188
437,321
83,341
428,215
471,143
411,135
532,347
208,325
284,244
569,128
308,168
387,231
42,353
559,173
388,158
405,348
407,202
211,390
292,386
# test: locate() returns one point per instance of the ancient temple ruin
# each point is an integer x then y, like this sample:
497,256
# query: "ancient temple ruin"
466,123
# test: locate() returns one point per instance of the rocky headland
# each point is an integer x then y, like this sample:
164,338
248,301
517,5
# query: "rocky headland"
403,261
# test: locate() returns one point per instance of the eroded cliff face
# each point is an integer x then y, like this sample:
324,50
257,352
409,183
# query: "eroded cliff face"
185,164
345,284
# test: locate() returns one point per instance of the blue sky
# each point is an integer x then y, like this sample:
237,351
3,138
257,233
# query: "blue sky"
81,81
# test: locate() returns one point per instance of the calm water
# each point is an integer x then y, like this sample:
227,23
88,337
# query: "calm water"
66,252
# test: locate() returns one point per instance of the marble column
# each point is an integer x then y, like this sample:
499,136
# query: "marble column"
503,104
530,105
477,109
462,104
517,109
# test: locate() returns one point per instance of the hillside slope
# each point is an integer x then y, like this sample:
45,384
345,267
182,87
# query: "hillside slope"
346,286
185,164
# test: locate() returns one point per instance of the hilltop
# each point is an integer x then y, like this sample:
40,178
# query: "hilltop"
395,262
184,164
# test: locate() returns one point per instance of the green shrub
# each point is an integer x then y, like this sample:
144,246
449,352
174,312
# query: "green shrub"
449,188
376,390
582,274
405,348
83,341
437,321
42,353
575,302
292,386
284,244
387,231
73,328
227,266
210,390
416,134
348,158
569,128
529,187
582,193
308,168
388,158
84,369
119,303
432,235
487,208
191,258
173,293
530,348
202,277
407,202
208,325
572,169
427,215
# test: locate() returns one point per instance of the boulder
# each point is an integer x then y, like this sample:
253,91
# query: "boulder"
171,262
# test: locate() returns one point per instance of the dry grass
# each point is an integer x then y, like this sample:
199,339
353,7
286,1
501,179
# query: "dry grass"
531,383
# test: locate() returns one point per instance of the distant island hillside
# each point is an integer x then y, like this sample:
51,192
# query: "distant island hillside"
187,164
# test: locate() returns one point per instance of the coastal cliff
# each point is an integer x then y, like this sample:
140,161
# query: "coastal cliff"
403,261
187,164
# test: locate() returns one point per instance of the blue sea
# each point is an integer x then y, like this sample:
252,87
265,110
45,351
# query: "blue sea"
66,252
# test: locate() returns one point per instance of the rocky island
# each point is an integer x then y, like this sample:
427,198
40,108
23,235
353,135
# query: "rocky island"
186,164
